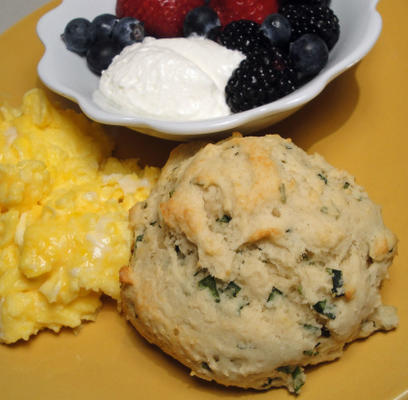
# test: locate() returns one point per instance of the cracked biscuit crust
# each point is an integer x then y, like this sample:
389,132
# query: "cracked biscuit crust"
253,259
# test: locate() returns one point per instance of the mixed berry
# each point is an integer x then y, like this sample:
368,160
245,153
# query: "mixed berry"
286,44
102,39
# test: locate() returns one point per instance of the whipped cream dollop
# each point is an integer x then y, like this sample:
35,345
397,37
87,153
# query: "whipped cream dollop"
180,79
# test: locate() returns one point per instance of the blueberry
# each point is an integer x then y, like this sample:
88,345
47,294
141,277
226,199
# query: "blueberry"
76,35
127,31
309,55
202,21
277,29
100,55
101,26
214,33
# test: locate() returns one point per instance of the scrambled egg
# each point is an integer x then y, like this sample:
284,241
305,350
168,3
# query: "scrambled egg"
64,205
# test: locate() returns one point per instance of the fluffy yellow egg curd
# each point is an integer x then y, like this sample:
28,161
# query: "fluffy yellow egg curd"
64,205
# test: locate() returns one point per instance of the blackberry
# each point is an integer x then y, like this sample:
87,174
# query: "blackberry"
310,2
243,35
310,18
265,75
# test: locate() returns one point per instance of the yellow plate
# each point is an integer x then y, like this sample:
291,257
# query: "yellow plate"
359,123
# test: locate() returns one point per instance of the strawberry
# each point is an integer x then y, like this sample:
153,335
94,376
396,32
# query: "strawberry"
161,18
254,10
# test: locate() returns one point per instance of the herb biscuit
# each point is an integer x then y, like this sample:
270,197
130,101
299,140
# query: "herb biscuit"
253,259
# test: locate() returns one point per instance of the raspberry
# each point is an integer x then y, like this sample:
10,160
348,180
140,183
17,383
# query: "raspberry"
243,35
310,18
264,76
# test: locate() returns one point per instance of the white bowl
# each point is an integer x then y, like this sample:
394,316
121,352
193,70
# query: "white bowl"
67,74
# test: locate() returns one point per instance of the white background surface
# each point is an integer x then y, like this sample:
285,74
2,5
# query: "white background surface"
11,11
